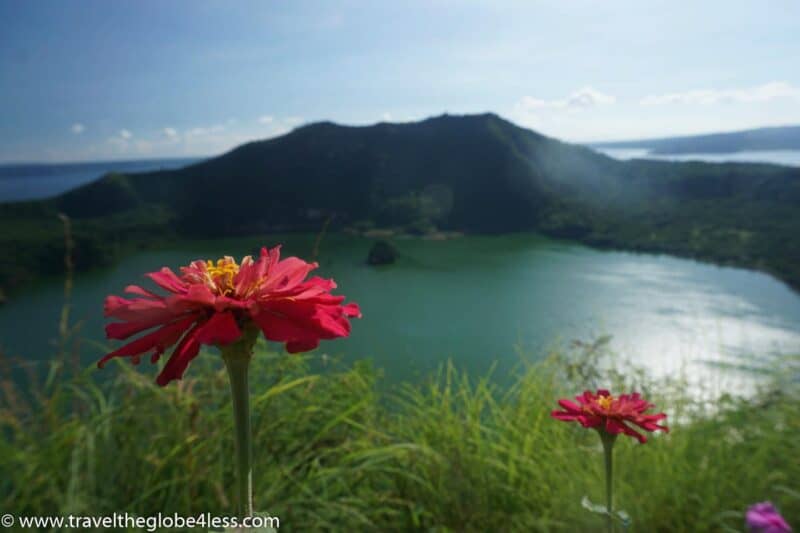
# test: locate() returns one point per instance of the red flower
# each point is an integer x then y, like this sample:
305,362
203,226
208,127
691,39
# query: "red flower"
612,415
211,304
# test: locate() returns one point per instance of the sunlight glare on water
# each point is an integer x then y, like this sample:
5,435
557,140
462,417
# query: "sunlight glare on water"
481,300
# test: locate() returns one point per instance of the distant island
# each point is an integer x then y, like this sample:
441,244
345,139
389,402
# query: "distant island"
470,174
777,138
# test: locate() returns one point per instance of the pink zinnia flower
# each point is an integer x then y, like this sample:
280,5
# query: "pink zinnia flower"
212,303
611,414
764,518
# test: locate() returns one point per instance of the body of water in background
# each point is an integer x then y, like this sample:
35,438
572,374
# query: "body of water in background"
778,157
36,181
475,300
479,301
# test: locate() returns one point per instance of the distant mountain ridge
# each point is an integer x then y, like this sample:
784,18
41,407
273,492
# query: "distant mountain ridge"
760,139
472,173
483,162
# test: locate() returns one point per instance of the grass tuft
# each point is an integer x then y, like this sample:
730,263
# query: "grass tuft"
331,452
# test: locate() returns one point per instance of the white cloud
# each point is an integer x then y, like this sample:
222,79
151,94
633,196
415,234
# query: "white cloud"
588,97
581,99
758,94
121,142
387,117
78,128
266,119
205,130
293,120
198,140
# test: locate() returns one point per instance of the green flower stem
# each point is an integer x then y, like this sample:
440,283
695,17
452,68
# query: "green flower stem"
237,360
608,453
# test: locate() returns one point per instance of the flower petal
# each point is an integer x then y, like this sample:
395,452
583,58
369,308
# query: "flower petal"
180,358
221,328
287,274
299,346
272,292
611,414
616,427
159,340
279,328
167,280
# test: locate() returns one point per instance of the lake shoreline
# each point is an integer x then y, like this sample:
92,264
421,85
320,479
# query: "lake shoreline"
601,243
477,299
612,245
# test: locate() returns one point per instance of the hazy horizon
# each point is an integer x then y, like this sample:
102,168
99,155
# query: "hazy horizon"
134,158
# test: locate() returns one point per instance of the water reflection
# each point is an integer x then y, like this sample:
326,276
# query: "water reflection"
691,318
777,157
477,299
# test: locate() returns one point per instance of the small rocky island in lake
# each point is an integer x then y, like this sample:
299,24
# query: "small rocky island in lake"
382,253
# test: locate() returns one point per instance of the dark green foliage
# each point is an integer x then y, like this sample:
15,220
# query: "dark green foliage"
382,253
109,195
332,453
32,239
475,173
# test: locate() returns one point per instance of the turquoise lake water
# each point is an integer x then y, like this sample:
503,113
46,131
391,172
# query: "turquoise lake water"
479,301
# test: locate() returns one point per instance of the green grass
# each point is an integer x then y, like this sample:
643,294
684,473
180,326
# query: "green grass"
334,451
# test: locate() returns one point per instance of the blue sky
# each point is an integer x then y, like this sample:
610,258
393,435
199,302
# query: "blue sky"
84,80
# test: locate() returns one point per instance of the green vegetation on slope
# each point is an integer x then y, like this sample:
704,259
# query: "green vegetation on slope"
333,453
476,173
33,241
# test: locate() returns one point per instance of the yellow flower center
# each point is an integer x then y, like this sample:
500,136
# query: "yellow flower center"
605,402
221,275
